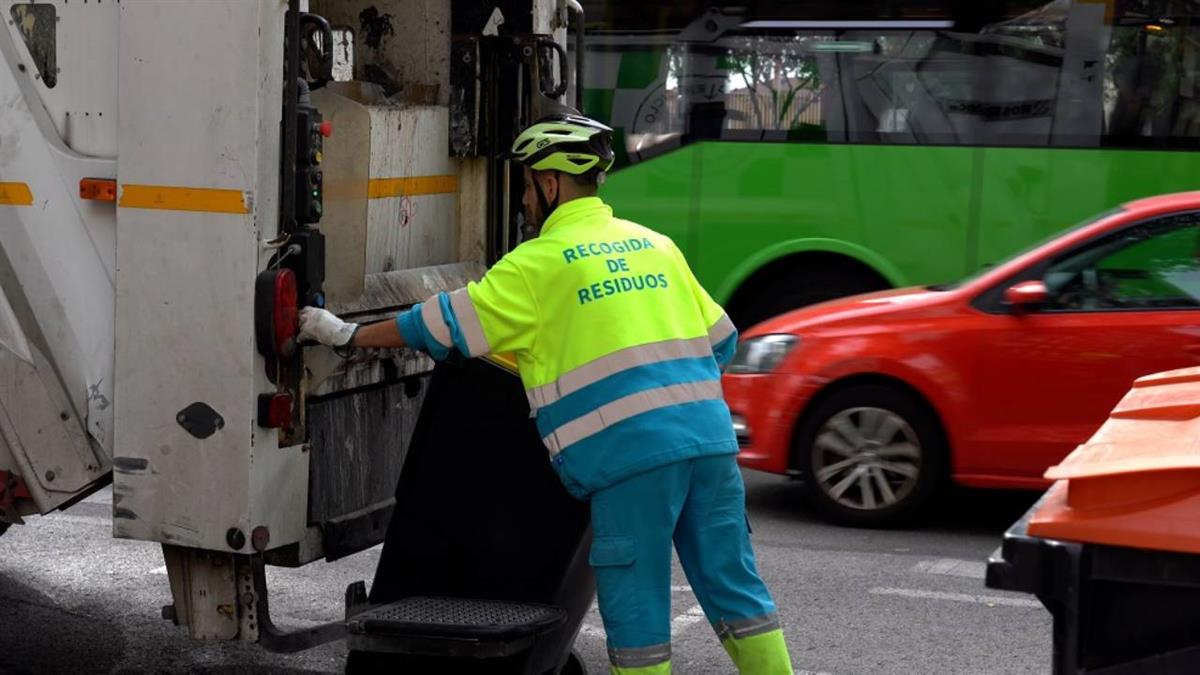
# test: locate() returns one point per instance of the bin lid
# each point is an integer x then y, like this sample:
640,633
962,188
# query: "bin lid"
506,360
1136,482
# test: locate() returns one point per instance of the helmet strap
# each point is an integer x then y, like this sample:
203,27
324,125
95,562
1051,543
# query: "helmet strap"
543,203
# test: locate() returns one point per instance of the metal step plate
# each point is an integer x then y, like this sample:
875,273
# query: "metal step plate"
459,626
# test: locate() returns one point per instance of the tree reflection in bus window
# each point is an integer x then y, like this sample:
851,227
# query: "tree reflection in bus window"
1070,74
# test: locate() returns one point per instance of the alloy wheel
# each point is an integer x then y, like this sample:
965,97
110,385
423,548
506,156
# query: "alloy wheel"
866,458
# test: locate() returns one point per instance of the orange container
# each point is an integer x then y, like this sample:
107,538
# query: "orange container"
1136,483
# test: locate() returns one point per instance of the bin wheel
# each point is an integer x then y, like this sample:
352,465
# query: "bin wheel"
870,455
574,665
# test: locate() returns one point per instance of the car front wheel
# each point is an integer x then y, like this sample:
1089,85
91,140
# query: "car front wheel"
870,455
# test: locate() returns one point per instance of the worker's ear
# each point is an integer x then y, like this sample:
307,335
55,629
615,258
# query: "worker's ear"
549,184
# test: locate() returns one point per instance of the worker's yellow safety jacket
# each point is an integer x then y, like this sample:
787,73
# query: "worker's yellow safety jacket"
617,344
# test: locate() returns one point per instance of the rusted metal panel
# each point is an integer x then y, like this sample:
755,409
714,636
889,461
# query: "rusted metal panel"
361,416
358,444
367,368
402,46
37,25
391,291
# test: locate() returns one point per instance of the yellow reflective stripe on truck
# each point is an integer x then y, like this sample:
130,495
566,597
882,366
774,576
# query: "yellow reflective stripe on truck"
411,186
171,198
15,194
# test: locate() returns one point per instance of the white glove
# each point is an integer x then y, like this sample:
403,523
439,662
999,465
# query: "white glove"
324,327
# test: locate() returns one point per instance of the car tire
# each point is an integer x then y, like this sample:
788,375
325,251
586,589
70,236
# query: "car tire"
790,289
870,455
4,528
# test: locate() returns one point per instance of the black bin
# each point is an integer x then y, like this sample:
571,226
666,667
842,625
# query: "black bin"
1116,610
484,567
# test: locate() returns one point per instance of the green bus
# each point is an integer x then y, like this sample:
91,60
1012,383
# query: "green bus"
800,151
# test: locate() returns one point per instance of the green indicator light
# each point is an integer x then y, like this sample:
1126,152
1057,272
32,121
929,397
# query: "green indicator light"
316,194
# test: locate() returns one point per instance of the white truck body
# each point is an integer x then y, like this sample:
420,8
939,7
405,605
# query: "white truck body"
118,317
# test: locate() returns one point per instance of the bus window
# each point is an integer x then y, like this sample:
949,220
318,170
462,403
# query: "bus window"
1150,87
1034,74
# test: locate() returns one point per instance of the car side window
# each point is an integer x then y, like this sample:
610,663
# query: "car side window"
1155,265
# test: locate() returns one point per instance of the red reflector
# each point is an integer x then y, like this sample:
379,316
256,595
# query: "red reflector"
275,411
326,128
98,189
286,313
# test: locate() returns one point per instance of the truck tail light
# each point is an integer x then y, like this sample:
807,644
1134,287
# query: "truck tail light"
286,312
277,313
275,411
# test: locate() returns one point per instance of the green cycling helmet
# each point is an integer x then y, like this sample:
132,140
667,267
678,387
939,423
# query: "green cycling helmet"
563,142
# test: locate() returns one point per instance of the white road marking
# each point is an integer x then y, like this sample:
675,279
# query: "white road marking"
989,600
158,570
593,631
681,622
971,569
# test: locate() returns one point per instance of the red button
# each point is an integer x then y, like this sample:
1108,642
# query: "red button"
326,128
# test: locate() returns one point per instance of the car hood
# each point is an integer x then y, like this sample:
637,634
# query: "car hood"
900,303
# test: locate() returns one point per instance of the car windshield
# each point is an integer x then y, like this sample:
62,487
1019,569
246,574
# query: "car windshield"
987,267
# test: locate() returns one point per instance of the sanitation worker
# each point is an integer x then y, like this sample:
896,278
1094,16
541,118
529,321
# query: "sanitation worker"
620,350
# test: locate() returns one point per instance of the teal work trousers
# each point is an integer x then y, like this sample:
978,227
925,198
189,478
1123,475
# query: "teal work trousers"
699,506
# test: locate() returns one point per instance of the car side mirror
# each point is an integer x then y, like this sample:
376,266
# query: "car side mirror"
1026,295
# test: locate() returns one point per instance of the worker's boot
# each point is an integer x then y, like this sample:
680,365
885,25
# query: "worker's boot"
761,654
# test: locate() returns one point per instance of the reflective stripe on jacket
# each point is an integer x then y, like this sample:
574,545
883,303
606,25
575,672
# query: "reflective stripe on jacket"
618,345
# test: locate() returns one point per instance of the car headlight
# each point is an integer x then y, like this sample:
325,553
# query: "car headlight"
761,354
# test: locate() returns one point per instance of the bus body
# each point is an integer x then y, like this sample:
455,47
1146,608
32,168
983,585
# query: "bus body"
799,151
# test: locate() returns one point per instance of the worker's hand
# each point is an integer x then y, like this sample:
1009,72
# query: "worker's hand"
324,327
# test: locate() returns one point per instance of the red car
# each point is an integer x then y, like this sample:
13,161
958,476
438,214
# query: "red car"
874,401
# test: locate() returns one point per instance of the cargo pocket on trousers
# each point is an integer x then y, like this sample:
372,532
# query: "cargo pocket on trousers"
613,558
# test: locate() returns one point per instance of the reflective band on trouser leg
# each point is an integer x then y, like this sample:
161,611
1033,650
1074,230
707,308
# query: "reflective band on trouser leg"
755,651
652,660
658,669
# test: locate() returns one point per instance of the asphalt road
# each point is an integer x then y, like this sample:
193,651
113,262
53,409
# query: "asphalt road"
74,600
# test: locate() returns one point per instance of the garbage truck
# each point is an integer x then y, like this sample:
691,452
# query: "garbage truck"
177,180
